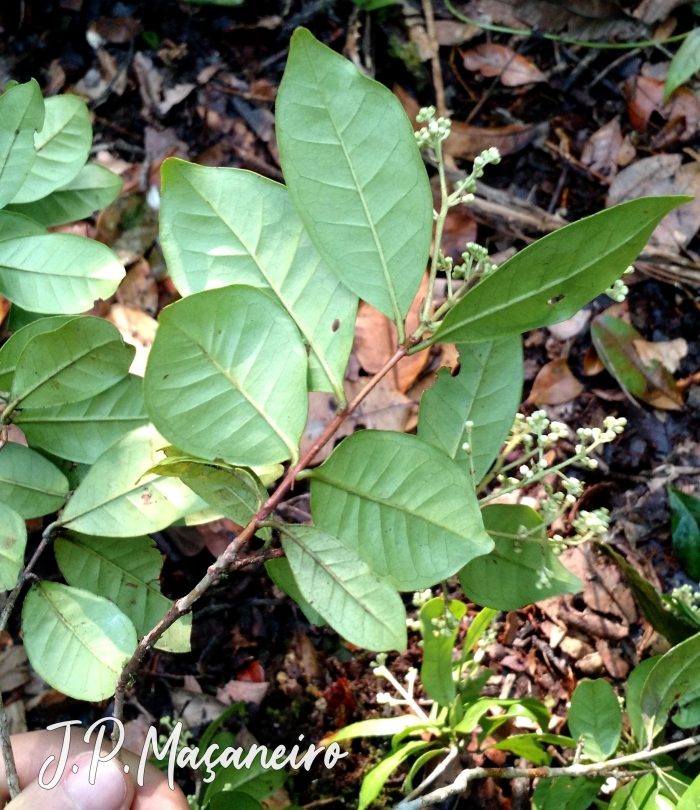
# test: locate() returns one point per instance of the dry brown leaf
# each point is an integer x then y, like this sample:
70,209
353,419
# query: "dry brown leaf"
661,175
376,340
138,289
460,228
173,96
384,408
555,384
129,226
651,11
645,96
137,329
113,163
582,19
451,32
512,69
117,30
592,364
246,691
668,352
565,330
466,142
602,149
4,308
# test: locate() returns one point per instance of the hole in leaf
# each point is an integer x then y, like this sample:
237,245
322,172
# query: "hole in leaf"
556,299
335,326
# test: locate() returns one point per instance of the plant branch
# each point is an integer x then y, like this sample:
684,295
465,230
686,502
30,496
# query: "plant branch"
227,560
7,755
611,767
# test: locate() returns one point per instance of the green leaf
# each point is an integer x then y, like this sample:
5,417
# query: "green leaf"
57,273
689,713
93,188
12,349
79,360
228,226
62,147
127,572
614,341
281,574
14,225
82,431
219,385
478,627
13,541
235,492
487,391
507,578
232,800
633,691
29,483
436,669
21,115
516,707
684,64
255,781
639,794
355,174
526,745
379,727
685,513
373,5
675,675
407,510
76,641
595,716
550,280
675,628
357,604
117,499
565,793
690,800
373,783
20,317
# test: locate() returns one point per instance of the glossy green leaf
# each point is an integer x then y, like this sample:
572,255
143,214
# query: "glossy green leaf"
407,510
226,377
82,431
14,225
639,794
565,793
254,780
127,572
685,531
76,641
13,541
550,280
355,174
633,691
19,317
62,147
57,273
478,627
235,492
688,715
674,627
530,746
228,226
507,578
595,716
357,604
117,499
675,675
79,360
378,727
21,115
690,800
280,573
373,783
30,484
93,188
487,391
436,669
684,64
12,348
614,340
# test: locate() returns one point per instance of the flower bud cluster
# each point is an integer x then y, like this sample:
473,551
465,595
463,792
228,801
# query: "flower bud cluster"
465,188
379,661
435,131
592,524
420,598
445,625
618,291
688,597
476,261
544,578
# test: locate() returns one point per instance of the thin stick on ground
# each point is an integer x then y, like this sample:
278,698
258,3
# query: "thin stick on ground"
438,82
228,559
613,767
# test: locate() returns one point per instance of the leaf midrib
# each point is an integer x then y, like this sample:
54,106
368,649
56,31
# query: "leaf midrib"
224,373
13,482
63,521
308,337
360,193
